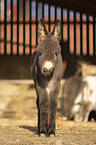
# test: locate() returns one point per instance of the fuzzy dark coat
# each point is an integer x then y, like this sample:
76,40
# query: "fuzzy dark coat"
47,78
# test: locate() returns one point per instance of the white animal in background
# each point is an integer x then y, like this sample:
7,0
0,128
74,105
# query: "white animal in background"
81,98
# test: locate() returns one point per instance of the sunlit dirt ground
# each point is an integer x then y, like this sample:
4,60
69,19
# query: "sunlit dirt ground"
18,120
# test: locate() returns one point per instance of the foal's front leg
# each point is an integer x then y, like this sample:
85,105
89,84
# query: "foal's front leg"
52,116
53,108
43,111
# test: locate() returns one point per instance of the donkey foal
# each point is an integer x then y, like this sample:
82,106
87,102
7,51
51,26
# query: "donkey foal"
47,71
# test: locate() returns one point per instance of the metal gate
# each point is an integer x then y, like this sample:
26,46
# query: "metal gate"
19,22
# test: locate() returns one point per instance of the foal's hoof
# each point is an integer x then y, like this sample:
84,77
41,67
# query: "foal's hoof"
42,135
52,135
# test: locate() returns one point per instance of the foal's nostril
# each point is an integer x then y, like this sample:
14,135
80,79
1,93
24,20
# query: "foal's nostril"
51,69
44,70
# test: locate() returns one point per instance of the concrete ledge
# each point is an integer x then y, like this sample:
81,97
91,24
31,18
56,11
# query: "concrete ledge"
29,81
17,81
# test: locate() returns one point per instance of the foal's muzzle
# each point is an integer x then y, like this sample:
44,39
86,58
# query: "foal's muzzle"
48,68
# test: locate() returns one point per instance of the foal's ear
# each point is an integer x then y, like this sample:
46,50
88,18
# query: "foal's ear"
42,32
56,30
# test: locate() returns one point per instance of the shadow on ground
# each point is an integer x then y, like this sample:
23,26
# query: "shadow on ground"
32,129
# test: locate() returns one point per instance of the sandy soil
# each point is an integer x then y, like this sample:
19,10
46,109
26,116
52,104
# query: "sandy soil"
18,120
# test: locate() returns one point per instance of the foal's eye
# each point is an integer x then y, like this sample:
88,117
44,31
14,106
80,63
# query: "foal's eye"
40,53
56,54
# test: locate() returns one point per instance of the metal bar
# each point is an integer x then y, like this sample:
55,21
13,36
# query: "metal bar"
26,45
81,51
16,43
68,32
30,24
61,24
55,14
0,28
42,11
20,44
5,17
11,26
23,26
49,16
36,23
17,26
94,36
74,33
87,35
